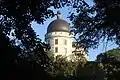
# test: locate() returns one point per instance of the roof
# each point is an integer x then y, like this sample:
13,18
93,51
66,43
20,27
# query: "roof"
58,25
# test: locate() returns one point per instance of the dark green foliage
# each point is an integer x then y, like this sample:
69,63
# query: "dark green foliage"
62,68
111,63
22,54
90,71
98,22
113,55
106,67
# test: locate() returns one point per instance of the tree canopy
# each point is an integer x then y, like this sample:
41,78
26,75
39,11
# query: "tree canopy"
111,55
23,56
97,23
110,61
22,52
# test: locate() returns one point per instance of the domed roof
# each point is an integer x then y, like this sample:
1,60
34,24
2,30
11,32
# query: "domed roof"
58,25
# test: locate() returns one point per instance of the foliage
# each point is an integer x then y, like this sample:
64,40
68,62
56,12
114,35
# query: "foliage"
90,70
95,23
22,53
106,67
113,54
111,63
63,68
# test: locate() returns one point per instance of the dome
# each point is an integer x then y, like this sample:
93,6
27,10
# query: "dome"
58,25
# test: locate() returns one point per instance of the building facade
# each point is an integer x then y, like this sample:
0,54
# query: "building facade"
59,38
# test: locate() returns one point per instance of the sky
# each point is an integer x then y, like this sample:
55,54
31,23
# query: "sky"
41,30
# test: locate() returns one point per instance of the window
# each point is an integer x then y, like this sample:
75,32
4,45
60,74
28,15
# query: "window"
65,42
65,50
56,49
56,41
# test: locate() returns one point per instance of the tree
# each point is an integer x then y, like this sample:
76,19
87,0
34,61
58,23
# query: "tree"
106,67
111,63
21,50
114,53
90,70
98,22
63,68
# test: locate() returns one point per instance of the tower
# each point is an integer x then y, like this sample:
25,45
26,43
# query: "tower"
61,41
59,37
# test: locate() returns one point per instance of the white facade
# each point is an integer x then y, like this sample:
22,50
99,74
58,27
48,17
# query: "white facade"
64,42
60,40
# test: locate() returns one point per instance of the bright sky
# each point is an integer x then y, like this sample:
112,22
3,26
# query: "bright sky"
42,29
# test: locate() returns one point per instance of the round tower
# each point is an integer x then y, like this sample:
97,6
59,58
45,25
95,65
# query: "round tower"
59,37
